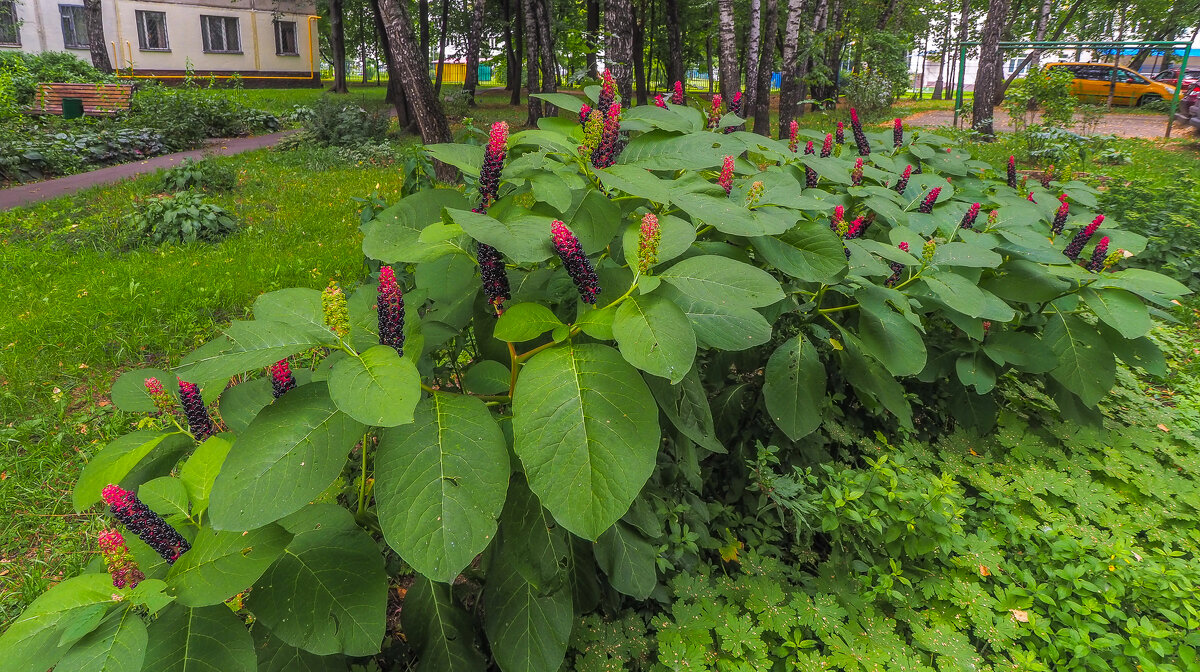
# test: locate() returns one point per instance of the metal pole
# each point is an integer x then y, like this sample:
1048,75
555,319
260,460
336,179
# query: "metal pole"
962,74
1187,53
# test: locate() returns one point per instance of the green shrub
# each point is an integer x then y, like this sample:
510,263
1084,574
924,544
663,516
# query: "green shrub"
336,121
1044,90
184,217
36,154
186,115
29,70
205,175
1166,213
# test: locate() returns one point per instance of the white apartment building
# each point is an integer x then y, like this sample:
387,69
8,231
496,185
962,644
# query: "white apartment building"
265,42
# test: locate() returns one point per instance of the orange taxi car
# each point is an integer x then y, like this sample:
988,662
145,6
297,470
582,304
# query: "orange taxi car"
1092,81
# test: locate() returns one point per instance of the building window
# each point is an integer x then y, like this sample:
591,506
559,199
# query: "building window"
285,38
74,26
152,31
10,28
220,34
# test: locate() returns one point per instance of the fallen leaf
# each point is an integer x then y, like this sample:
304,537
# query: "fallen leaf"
1163,427
983,571
1022,616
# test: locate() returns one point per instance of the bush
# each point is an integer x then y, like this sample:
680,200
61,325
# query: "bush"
869,91
184,217
205,175
335,121
1047,90
35,155
188,114
29,70
553,394
1166,214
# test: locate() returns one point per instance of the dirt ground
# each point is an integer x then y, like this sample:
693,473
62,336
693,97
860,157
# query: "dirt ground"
1124,125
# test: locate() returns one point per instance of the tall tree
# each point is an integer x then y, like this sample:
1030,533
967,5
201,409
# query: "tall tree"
963,26
591,39
639,50
337,44
727,61
95,32
474,36
441,61
395,87
513,22
989,67
1058,32
789,72
545,21
424,104
618,48
423,20
766,58
753,44
1039,33
531,60
675,71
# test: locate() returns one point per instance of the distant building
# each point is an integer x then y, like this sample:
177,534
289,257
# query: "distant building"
265,42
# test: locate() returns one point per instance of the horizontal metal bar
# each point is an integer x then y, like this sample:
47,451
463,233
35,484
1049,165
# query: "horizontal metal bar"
1176,45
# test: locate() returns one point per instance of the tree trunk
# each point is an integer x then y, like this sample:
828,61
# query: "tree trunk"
513,50
549,65
1043,22
789,82
423,11
592,40
708,58
766,58
675,71
618,51
753,44
531,60
639,50
395,88
423,103
362,44
963,28
1058,31
989,68
337,44
727,61
945,55
474,35
95,33
441,62
887,14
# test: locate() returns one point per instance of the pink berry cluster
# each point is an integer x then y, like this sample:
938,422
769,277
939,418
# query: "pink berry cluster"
897,269
838,220
897,132
902,183
493,162
827,146
146,524
578,266
282,380
677,96
390,307
585,112
658,100
608,92
808,147
968,220
199,422
726,177
860,138
648,241
158,394
793,141
1081,238
930,198
121,565
714,113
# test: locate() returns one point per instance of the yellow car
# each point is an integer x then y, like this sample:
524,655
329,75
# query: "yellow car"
1093,80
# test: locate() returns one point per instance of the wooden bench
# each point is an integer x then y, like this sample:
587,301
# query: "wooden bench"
99,100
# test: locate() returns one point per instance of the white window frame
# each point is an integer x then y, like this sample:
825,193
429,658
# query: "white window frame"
141,16
279,25
207,20
63,17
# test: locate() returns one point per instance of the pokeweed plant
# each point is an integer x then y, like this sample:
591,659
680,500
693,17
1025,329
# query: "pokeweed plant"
489,406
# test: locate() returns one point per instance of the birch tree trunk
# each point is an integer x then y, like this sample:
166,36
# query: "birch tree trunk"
441,62
618,50
727,61
1043,23
531,60
395,87
95,32
766,58
989,68
753,44
431,121
789,83
474,35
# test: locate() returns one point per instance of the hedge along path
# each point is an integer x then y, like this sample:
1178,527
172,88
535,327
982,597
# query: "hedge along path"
26,194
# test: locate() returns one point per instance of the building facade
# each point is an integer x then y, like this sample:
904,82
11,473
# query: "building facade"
265,42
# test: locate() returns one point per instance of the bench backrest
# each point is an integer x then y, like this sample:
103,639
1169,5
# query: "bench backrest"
98,99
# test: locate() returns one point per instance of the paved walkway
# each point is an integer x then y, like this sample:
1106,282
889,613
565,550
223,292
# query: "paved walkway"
24,194
1124,125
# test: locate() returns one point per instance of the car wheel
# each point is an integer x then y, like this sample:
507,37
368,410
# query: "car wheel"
1148,98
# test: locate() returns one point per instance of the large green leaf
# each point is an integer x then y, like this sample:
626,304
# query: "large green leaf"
1120,310
723,281
525,321
655,336
628,560
727,215
299,307
725,327
809,252
794,387
247,345
533,543
892,340
379,387
118,645
442,632
201,469
291,452
527,629
467,158
564,100
686,405
524,238
118,459
1086,365
34,642
635,182
275,656
222,564
440,484
240,403
660,150
871,382
966,297
586,431
129,391
394,235
327,593
206,639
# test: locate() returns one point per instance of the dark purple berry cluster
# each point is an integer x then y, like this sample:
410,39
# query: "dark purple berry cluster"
968,220
199,422
391,310
1012,172
493,162
930,198
146,524
1060,217
897,132
610,145
578,266
902,183
1081,238
493,276
282,380
860,138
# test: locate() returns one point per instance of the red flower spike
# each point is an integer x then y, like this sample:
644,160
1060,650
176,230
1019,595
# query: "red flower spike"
726,178
146,524
585,111
391,311
793,141
282,380
493,276
158,394
827,147
1012,172
856,227
897,132
860,138
903,247
493,162
735,106
902,183
677,97
839,216
648,240
930,198
1030,199
1060,217
578,266
199,422
120,564
808,148
968,220
606,152
1081,238
658,100
841,133
608,91
1098,256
